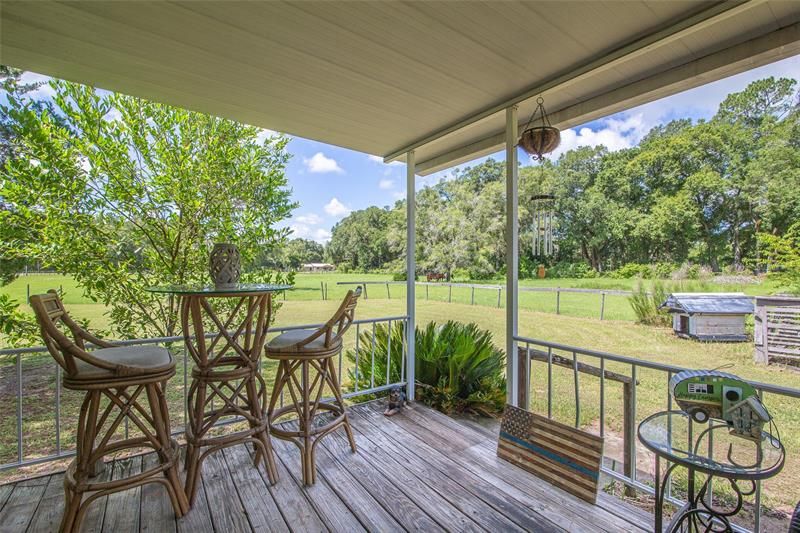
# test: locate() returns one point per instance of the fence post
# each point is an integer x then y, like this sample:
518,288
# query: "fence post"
388,294
365,291
426,292
322,289
450,293
472,298
602,304
558,300
28,298
498,297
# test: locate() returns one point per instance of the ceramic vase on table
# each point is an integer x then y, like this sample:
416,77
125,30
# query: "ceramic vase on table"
225,264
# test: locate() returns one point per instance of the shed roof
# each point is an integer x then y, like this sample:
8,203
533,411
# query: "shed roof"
386,77
715,303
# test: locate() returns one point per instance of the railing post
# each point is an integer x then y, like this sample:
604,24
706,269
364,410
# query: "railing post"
411,273
558,300
523,375
627,431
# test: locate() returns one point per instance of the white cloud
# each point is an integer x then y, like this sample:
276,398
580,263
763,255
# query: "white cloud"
399,195
615,134
386,184
265,134
303,231
319,162
311,219
335,208
43,91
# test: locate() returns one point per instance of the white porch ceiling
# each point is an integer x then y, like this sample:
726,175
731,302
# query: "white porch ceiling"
380,77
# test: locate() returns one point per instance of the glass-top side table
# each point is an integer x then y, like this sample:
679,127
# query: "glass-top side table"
225,379
674,437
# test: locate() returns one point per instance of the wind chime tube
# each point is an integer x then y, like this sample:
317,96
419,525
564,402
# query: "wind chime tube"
539,232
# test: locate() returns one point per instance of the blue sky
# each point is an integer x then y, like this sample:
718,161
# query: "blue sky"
330,182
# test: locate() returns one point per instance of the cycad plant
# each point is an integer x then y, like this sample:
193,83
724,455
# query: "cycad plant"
457,366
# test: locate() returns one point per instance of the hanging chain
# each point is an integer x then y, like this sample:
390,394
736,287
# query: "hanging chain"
543,115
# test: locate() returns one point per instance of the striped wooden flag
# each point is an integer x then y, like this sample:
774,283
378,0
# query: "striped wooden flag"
562,455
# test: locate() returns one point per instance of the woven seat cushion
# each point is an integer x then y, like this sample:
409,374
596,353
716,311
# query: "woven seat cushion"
285,340
147,358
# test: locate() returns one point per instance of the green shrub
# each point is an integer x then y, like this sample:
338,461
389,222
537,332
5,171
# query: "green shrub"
402,276
460,274
457,366
564,269
631,270
662,270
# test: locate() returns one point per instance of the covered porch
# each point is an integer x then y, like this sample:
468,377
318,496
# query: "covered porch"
430,85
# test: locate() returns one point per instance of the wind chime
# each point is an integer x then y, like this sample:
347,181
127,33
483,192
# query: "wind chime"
543,210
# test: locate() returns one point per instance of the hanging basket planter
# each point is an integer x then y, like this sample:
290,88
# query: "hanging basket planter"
540,140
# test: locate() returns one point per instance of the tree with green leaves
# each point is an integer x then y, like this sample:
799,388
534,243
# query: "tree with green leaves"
782,254
122,194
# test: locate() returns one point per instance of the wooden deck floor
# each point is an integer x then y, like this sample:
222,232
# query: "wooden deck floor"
419,470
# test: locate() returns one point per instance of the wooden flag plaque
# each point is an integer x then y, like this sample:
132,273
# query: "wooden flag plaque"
560,454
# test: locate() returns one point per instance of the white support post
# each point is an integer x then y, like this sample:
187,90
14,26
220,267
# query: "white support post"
512,257
411,271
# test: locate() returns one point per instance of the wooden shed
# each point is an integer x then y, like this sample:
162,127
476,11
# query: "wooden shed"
716,317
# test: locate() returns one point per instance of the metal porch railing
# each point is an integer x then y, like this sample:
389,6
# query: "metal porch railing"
57,449
625,371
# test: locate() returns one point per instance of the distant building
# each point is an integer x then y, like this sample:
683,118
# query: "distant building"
716,317
317,267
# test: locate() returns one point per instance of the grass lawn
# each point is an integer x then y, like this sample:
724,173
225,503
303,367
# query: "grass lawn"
305,306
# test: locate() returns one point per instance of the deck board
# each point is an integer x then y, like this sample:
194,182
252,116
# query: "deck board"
419,470
51,507
20,507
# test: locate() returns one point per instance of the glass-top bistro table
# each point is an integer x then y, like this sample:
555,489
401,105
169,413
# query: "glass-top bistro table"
225,379
673,436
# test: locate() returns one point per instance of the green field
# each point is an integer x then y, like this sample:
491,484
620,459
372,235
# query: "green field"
304,305
309,287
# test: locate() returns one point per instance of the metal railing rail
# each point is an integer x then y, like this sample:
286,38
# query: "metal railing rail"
183,377
530,347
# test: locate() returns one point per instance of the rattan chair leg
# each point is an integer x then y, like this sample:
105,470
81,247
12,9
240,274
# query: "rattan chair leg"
258,412
158,407
192,464
337,393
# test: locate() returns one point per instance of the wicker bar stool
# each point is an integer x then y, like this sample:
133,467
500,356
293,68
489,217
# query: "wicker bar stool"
305,368
121,375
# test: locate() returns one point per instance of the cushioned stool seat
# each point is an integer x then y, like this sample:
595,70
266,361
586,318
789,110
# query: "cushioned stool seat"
130,360
288,340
